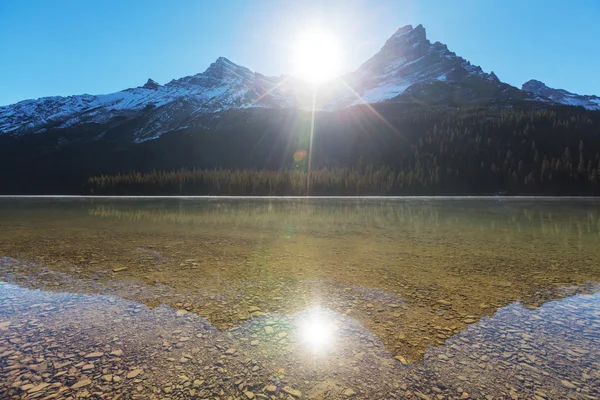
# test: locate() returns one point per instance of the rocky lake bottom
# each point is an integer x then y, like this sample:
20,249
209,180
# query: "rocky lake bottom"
288,298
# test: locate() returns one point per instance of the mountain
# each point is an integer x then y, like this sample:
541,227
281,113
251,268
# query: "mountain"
409,65
562,96
224,85
408,68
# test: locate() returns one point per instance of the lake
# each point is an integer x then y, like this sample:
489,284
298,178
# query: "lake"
284,298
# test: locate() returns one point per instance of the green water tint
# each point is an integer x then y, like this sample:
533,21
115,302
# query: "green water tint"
426,297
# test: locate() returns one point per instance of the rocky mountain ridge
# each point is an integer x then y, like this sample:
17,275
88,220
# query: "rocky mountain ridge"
407,68
561,96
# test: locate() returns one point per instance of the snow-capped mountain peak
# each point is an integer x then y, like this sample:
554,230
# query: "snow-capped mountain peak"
151,84
219,70
407,65
224,64
406,37
562,96
407,59
223,85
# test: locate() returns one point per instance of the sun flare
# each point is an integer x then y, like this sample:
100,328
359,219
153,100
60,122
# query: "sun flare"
317,332
316,56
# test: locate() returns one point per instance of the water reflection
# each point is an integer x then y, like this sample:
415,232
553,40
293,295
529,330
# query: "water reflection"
66,345
413,294
546,218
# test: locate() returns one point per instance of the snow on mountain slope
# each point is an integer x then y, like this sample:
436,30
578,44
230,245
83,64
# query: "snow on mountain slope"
406,59
562,96
222,86
408,65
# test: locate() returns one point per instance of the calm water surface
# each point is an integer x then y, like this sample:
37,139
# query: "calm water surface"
299,298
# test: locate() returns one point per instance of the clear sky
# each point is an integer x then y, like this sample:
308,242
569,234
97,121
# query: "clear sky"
70,47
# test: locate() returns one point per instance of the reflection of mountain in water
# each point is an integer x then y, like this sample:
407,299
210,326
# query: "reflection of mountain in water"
544,219
405,328
412,272
555,347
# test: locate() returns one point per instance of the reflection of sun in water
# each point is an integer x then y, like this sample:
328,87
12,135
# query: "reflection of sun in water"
316,332
316,56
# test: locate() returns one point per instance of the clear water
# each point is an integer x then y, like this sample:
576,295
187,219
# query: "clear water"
311,298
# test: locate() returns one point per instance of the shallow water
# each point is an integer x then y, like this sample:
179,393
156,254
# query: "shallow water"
318,298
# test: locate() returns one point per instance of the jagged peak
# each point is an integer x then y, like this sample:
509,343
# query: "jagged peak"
562,96
406,39
440,45
408,34
533,84
151,84
403,30
406,43
225,61
223,66
419,29
407,29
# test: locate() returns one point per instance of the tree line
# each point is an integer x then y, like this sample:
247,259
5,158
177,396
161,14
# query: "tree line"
384,149
546,151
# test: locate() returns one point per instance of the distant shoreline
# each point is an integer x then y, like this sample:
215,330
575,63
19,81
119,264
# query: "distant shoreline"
415,197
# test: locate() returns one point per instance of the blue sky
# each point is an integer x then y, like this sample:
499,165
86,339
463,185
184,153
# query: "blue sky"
71,47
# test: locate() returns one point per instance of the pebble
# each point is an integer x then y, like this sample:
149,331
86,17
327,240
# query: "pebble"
292,392
134,373
271,389
197,383
39,387
568,384
82,383
402,360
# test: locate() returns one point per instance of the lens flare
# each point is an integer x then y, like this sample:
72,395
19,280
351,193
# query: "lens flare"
316,332
316,56
299,155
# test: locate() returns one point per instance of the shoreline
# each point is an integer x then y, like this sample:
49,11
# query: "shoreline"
424,197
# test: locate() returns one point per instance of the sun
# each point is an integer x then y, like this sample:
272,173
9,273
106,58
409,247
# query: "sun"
316,56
